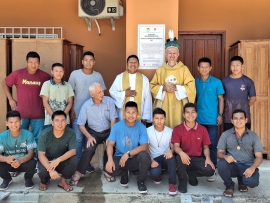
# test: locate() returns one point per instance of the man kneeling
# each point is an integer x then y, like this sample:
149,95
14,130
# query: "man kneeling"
18,147
131,142
236,149
57,152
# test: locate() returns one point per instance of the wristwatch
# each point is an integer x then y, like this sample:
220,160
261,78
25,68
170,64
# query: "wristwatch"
221,114
128,152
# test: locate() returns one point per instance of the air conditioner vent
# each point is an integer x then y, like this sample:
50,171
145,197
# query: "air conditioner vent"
93,7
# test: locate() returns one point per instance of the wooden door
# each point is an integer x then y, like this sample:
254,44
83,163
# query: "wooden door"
256,55
195,45
67,58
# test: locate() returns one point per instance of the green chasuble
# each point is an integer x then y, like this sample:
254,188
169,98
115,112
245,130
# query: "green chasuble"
179,75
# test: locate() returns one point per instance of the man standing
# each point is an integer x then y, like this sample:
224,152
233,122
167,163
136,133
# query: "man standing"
172,85
161,150
80,81
100,115
16,151
191,141
236,149
57,152
130,139
28,82
56,94
210,105
131,85
240,92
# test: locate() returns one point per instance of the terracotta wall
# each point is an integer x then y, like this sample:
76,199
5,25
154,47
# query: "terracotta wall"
240,19
109,48
149,12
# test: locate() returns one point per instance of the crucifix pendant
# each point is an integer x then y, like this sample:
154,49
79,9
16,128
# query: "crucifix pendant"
238,147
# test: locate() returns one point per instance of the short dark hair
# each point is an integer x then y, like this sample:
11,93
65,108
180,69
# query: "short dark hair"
88,53
32,54
239,111
131,104
204,60
133,56
237,58
59,113
11,114
189,105
57,64
159,111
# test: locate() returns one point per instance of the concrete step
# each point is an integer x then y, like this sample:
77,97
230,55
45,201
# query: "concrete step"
21,198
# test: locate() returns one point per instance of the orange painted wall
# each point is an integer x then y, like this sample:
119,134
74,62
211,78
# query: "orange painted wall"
241,19
149,12
109,48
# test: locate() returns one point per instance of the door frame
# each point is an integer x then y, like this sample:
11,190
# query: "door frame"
210,32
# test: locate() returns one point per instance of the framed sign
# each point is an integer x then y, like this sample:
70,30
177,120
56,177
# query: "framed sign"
151,40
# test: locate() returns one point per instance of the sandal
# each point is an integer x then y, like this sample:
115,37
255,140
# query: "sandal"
242,188
228,192
66,187
43,187
15,174
75,179
109,178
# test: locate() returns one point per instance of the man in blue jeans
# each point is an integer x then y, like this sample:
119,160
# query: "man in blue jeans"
236,149
161,150
210,105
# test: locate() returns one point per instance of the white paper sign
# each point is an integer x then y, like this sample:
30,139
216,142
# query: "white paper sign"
151,40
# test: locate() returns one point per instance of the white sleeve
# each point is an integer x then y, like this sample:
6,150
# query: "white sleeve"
117,93
180,93
147,101
161,94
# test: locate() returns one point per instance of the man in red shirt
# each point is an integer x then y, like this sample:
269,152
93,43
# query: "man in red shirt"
28,82
191,141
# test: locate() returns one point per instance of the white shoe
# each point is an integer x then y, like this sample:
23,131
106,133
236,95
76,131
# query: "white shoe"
211,178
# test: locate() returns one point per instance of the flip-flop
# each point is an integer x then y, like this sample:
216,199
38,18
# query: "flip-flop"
43,187
228,192
67,187
74,180
15,174
109,178
242,188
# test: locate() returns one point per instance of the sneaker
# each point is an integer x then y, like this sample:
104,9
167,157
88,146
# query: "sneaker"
141,187
29,183
90,169
5,184
172,189
157,180
192,178
211,178
124,181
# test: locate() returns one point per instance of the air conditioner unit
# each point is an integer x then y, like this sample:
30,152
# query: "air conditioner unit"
98,9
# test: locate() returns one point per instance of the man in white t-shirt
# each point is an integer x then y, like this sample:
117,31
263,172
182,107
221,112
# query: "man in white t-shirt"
161,150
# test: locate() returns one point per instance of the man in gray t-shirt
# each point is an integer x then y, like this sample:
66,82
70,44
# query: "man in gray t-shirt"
236,150
80,81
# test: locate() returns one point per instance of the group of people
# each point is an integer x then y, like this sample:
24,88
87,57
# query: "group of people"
78,117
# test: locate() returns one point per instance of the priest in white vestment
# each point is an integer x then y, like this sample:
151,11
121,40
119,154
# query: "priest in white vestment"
131,85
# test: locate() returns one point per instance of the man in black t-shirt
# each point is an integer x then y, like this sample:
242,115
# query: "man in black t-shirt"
57,152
